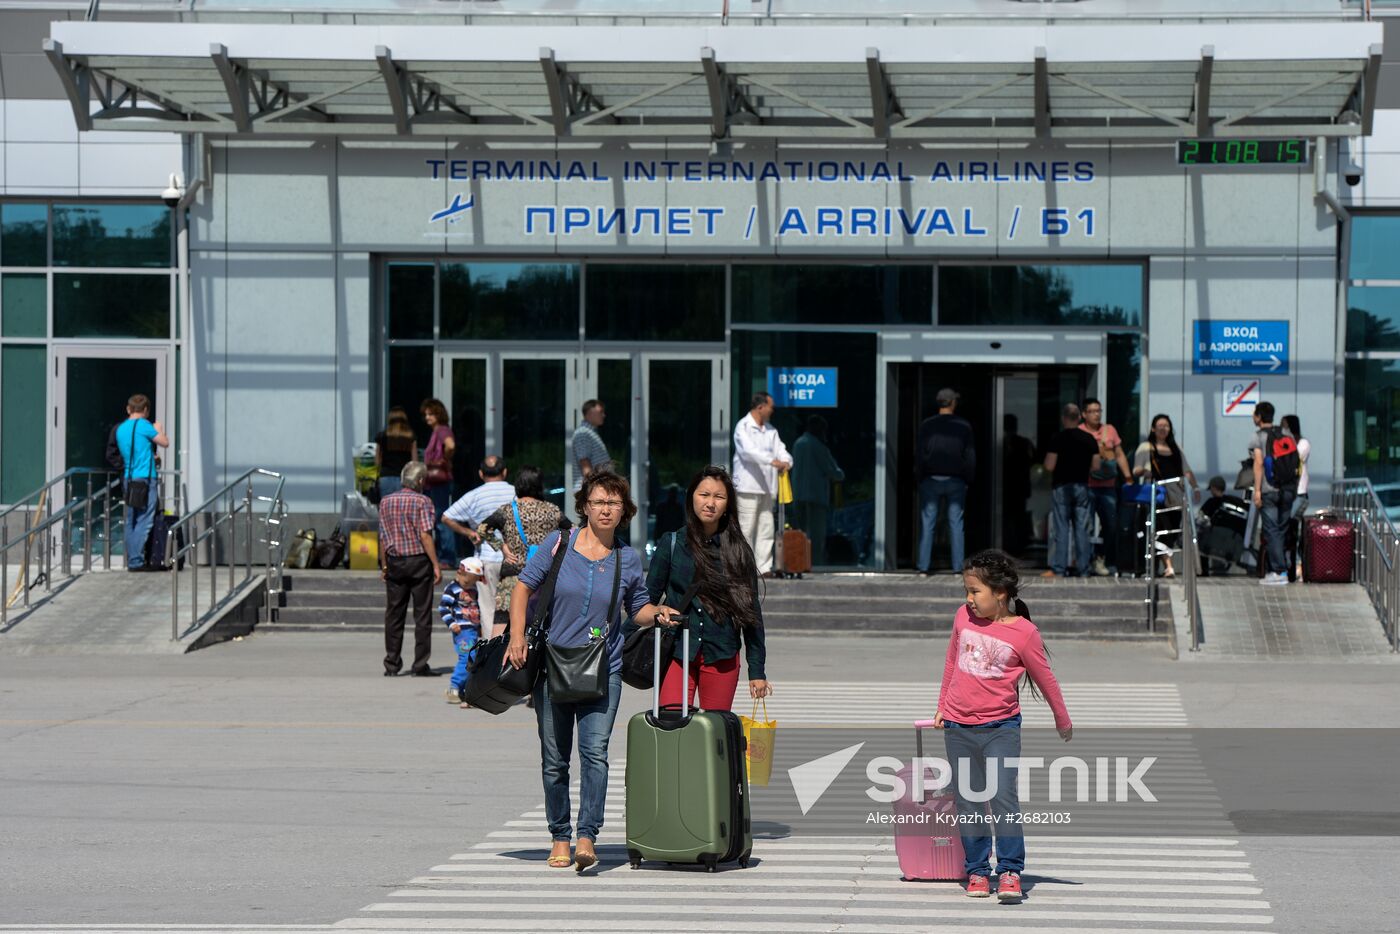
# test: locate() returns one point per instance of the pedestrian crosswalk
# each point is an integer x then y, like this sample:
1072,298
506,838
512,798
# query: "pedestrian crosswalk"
825,703
1189,874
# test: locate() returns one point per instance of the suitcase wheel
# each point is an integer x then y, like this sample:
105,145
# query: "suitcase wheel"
744,861
634,859
711,863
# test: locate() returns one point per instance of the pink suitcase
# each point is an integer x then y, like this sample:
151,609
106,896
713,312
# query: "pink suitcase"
926,838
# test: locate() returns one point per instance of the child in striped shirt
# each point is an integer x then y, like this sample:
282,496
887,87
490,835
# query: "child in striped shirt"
461,613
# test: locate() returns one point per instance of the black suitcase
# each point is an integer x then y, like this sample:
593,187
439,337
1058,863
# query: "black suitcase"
155,544
1131,534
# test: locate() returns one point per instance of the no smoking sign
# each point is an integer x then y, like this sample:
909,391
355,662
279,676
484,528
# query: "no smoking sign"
1238,397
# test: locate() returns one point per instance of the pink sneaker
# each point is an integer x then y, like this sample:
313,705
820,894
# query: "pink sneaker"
979,887
1009,887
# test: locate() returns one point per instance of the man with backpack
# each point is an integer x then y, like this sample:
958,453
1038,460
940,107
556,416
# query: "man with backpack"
136,440
1276,464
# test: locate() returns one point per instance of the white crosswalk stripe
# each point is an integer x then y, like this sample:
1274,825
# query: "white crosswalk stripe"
1116,706
1092,880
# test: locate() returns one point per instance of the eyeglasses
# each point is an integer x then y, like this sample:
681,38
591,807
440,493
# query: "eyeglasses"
605,503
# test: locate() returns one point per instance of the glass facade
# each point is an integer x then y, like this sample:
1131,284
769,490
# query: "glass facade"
831,294
509,301
1044,296
74,272
1371,424
500,341
655,302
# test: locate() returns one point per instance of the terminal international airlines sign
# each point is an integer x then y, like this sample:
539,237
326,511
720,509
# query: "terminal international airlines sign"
924,198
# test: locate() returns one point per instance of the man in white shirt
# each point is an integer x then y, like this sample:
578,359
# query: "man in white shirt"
758,456
470,511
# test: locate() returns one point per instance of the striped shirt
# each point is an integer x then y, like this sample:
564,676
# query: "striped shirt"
459,607
589,445
477,506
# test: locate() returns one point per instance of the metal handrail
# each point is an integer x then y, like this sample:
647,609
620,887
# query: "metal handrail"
1376,551
1190,555
227,517
73,513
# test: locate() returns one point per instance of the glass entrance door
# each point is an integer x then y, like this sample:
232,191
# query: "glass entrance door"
516,405
613,380
90,389
684,427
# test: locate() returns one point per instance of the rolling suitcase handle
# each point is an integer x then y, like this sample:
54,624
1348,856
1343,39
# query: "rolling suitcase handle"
685,672
919,727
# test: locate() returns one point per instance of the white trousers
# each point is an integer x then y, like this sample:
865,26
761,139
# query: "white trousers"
486,596
756,522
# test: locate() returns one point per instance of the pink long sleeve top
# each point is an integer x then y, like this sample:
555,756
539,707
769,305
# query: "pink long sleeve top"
985,660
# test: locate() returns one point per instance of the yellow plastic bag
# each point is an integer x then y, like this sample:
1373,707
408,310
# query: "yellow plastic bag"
785,487
759,736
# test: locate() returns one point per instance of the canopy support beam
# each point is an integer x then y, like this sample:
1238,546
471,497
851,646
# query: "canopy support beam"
884,103
236,83
76,81
1203,78
569,99
396,86
727,98
1042,94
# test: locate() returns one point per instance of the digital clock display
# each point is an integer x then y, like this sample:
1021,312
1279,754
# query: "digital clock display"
1242,152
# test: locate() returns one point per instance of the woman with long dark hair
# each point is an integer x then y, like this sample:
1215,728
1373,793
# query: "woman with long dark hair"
711,555
394,447
438,455
1159,458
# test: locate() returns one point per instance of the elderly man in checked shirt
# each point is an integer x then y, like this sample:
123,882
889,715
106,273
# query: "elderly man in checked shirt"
408,565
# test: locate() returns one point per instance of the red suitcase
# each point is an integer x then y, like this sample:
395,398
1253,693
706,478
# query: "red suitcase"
1329,544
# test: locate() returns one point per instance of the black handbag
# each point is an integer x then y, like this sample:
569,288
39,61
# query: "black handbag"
330,554
496,685
579,674
639,648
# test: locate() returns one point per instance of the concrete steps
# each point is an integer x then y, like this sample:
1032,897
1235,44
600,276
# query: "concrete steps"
900,604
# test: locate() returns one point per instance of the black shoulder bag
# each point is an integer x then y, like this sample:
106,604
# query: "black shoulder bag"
580,674
138,491
496,685
639,648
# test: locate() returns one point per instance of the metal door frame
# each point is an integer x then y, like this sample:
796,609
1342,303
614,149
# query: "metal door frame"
719,404
588,389
160,354
1029,349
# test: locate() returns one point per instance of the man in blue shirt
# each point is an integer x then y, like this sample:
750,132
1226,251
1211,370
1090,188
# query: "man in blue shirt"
137,438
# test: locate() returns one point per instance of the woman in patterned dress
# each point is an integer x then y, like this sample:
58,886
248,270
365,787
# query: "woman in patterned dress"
536,517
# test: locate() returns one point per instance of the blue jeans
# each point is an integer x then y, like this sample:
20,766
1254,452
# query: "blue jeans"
463,641
1071,508
1106,508
1275,513
969,748
389,485
931,493
138,528
444,539
595,722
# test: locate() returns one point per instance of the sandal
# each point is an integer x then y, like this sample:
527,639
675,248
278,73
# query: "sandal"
584,860
559,860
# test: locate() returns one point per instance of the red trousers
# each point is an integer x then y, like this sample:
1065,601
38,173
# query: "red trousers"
717,683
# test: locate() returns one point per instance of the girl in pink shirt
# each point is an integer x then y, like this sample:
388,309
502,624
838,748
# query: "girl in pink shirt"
994,646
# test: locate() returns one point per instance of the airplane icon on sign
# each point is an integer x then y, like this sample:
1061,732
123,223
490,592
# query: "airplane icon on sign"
450,212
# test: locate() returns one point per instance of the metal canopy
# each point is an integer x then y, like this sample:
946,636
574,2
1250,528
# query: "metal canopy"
814,83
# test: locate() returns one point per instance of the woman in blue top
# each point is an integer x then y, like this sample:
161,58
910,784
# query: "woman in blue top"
578,612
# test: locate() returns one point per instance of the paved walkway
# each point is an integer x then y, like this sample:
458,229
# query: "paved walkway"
1197,878
1246,621
115,613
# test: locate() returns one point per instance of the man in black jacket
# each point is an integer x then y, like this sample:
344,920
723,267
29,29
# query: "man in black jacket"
946,464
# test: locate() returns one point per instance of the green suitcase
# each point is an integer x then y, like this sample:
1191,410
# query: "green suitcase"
687,785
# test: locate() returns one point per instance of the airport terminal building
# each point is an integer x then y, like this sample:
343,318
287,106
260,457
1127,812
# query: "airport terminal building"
516,206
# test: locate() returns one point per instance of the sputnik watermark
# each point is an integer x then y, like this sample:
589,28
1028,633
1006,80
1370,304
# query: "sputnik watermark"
1113,778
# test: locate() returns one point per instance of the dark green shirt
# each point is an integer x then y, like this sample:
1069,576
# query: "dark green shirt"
719,639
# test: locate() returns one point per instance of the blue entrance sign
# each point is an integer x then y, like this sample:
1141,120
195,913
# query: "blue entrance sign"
1240,347
803,387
